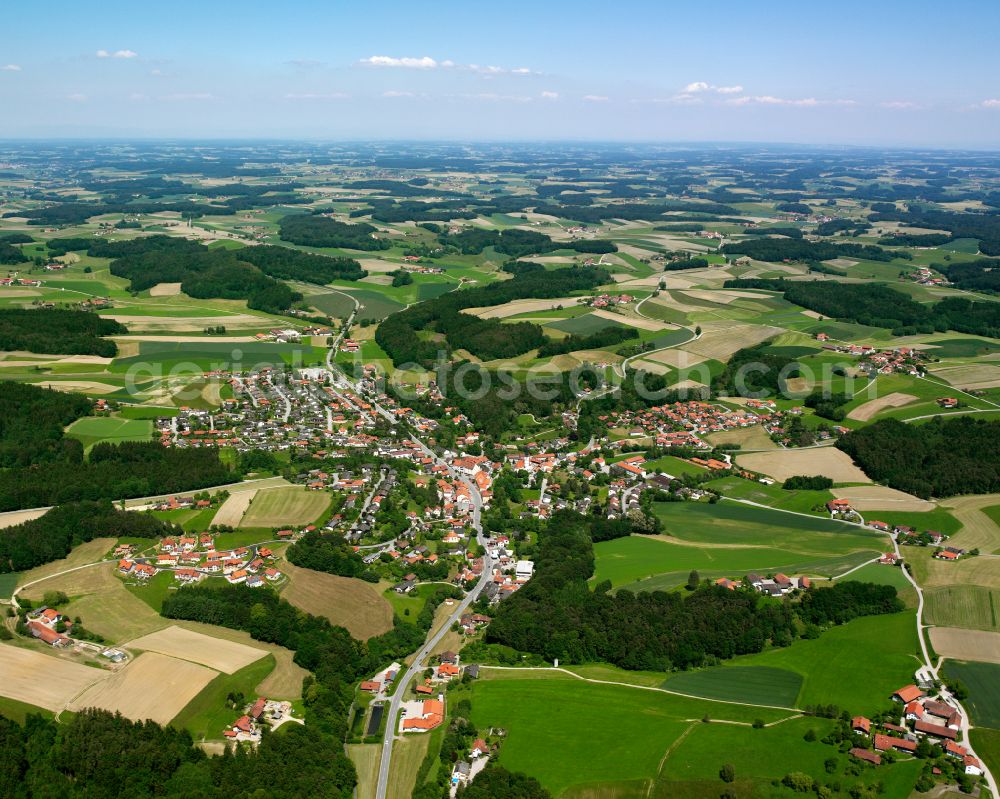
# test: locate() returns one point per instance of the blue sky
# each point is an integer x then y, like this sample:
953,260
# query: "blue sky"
875,72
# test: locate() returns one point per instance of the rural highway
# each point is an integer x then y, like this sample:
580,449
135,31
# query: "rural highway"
417,666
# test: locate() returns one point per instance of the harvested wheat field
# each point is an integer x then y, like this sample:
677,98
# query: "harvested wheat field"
720,341
675,357
153,686
225,656
749,438
284,681
165,290
978,531
784,463
350,603
866,411
12,517
632,321
972,375
184,324
231,511
958,644
91,552
521,306
85,386
876,497
43,680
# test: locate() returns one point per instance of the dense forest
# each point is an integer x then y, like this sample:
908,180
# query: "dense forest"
314,230
878,305
489,339
58,331
556,615
52,536
40,466
985,227
202,272
32,420
754,371
330,553
941,458
96,755
980,275
9,254
614,334
288,264
518,243
113,471
786,249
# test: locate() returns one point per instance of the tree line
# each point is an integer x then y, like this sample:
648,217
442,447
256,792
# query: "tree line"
518,243
57,330
314,230
52,536
786,249
556,615
941,458
489,339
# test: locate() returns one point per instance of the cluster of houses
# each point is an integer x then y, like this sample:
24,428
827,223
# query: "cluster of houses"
922,717
681,424
902,360
776,586
925,276
193,558
247,728
609,300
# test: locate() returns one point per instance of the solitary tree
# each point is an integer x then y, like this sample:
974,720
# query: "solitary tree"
693,580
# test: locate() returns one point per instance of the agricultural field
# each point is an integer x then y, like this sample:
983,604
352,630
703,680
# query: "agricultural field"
178,642
729,540
958,644
782,464
345,601
92,430
629,743
983,683
285,507
64,679
152,686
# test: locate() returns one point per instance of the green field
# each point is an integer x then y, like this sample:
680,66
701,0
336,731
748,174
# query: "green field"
601,742
288,506
759,685
974,607
585,325
856,665
601,733
963,347
730,540
8,582
983,682
18,711
93,429
207,715
986,742
159,357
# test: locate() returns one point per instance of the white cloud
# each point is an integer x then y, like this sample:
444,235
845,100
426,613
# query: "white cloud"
138,97
550,95
397,93
595,98
992,103
317,96
77,97
494,97
184,96
767,99
425,62
116,54
520,71
10,68
700,86
901,105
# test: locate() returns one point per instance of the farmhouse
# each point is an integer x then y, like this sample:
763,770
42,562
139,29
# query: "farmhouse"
883,743
866,755
427,716
908,694
47,634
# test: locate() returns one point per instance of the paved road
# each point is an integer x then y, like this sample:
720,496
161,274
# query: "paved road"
417,666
